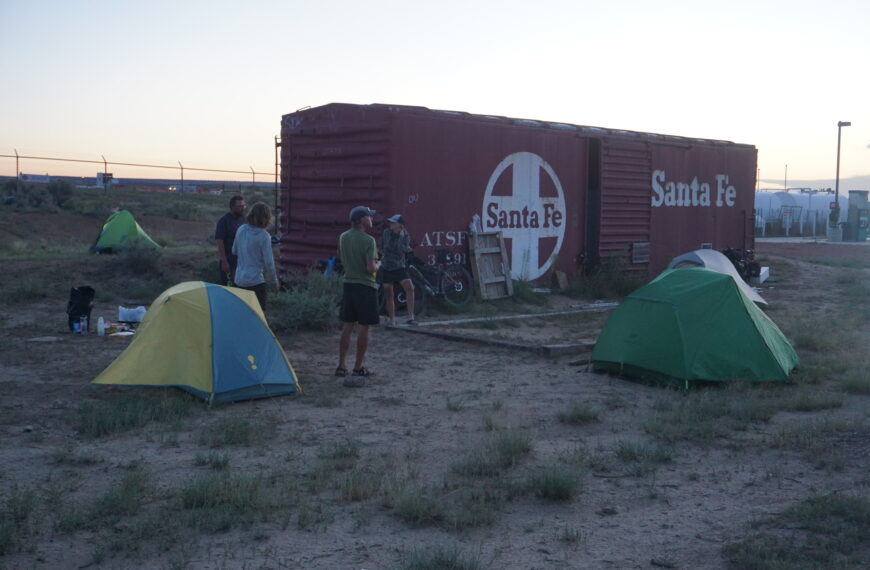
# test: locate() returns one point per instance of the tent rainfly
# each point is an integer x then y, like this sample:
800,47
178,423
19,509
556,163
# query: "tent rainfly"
121,231
210,340
693,324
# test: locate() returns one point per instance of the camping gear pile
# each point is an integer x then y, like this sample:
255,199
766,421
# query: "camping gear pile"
79,307
210,340
693,324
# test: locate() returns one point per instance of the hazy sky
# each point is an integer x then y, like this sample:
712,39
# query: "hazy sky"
206,82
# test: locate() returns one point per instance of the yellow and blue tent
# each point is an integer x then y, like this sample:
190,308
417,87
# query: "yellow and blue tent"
210,340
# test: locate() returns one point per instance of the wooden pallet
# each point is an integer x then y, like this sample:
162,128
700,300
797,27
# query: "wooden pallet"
489,262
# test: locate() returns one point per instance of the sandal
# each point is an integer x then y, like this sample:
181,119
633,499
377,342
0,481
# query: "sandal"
364,372
341,371
412,322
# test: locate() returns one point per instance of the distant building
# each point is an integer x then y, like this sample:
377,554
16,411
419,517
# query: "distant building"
34,178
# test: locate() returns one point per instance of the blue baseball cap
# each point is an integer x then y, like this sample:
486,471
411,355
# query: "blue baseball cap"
360,212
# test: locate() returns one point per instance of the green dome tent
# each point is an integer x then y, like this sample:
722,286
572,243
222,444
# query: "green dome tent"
693,324
121,231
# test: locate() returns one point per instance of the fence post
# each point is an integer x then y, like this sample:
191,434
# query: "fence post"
182,179
277,199
105,170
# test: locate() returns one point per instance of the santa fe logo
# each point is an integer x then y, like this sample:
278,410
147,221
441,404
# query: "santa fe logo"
525,217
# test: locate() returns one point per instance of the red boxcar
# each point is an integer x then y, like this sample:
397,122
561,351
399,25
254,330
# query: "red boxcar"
564,196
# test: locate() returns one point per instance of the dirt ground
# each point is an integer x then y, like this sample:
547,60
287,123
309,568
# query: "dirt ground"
430,402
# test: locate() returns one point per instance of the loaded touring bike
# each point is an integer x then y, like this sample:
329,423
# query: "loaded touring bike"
447,280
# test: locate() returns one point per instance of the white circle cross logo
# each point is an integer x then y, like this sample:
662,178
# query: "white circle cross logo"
525,217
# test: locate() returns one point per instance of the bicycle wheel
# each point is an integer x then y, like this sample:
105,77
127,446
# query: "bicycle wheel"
457,285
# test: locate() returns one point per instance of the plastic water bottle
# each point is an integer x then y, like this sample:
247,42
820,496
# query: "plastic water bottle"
101,326
83,320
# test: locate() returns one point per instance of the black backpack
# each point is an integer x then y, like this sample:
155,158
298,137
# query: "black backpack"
81,301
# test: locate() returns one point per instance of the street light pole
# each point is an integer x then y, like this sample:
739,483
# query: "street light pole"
834,228
840,126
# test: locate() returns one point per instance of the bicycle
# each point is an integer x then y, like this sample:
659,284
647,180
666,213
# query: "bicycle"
447,280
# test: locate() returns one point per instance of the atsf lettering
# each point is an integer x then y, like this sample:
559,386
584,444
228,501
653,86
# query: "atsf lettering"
496,217
443,239
675,193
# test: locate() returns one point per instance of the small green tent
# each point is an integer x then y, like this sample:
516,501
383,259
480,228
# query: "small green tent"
693,324
121,231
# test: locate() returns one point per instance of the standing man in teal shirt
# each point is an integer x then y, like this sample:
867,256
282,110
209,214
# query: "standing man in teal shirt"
359,256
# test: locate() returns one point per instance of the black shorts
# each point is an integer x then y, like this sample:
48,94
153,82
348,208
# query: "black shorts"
359,304
394,275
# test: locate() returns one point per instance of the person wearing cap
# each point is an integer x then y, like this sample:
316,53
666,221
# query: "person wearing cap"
395,244
359,305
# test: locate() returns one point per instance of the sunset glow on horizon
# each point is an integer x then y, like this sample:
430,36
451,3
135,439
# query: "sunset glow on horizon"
205,84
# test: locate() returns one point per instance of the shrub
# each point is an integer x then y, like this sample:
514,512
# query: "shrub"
414,504
28,197
705,415
8,535
578,414
36,197
61,191
27,289
629,451
139,260
555,484
242,493
239,431
311,305
124,498
473,507
525,293
214,460
20,504
217,502
610,279
498,452
165,241
106,418
856,382
821,532
359,485
184,210
438,558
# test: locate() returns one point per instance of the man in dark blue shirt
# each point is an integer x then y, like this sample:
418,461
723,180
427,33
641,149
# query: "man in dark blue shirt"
225,235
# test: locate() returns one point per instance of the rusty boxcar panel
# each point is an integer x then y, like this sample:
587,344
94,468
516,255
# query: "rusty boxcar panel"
563,195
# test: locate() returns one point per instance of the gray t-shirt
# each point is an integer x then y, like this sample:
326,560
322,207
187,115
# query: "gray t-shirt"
256,264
